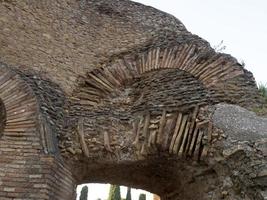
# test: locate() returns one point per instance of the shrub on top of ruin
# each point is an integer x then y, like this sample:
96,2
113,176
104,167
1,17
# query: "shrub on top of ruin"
262,110
263,89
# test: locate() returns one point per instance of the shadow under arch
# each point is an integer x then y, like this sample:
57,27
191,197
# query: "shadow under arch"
143,119
168,178
155,114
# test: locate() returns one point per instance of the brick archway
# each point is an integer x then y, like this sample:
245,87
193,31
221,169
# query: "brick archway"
113,91
29,162
149,129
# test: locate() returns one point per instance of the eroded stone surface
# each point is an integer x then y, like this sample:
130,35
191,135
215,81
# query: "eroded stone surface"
114,91
239,123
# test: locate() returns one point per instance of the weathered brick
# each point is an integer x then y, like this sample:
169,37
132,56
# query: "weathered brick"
9,189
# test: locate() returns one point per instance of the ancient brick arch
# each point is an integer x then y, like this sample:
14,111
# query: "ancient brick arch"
124,124
162,108
166,88
17,103
26,140
216,71
101,91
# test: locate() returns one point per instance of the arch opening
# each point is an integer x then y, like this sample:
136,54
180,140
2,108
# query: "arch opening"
102,191
170,178
153,129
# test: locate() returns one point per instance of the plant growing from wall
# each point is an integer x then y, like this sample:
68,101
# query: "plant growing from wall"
84,193
263,93
263,90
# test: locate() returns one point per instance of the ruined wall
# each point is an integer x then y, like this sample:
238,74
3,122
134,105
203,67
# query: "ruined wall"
27,169
114,91
68,38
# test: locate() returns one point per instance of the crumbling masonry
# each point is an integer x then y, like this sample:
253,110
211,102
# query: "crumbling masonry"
111,91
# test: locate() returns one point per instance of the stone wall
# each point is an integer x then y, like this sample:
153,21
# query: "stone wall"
68,38
114,91
27,170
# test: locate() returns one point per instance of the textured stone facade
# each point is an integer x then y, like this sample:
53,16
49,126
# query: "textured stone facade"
114,91
27,169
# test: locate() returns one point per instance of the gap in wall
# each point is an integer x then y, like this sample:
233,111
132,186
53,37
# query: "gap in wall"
98,191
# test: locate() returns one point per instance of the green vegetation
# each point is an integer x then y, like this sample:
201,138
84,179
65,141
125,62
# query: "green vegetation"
219,48
128,195
84,193
263,93
262,110
263,90
142,197
114,192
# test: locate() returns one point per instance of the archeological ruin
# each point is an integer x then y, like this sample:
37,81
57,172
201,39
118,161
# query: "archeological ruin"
112,91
